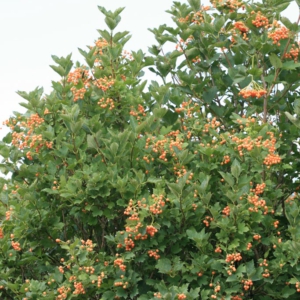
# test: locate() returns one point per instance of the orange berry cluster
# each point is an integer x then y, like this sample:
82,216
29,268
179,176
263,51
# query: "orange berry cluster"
120,263
104,83
198,18
129,244
181,296
218,250
25,138
188,107
293,53
276,223
151,230
260,20
231,258
33,121
8,214
232,268
258,203
297,285
226,160
78,93
247,284
165,146
211,123
1,233
264,263
157,295
100,279
241,27
236,298
100,44
103,103
77,75
89,269
253,93
185,19
133,211
278,34
207,220
16,246
266,273
256,237
269,144
249,246
88,245
79,288
226,211
154,254
272,158
159,203
120,283
259,189
138,114
197,59
63,291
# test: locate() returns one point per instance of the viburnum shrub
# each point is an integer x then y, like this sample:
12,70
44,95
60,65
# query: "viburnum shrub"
183,189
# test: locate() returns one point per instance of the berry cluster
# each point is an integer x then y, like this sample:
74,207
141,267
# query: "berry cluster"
106,102
16,246
104,83
231,258
260,20
119,262
154,254
100,44
278,34
247,284
241,27
252,93
293,53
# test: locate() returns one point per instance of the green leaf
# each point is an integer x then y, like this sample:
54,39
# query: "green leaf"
175,189
250,268
164,265
59,70
228,178
242,228
111,23
219,22
210,94
275,61
195,4
290,65
236,169
192,53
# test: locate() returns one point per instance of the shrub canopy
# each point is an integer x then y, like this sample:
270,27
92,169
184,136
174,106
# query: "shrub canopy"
184,188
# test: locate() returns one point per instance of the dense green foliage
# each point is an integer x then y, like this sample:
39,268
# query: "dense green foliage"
182,189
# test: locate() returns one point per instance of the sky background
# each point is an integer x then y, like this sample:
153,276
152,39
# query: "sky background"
33,30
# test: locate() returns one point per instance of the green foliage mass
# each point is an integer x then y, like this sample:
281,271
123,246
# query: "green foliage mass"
185,188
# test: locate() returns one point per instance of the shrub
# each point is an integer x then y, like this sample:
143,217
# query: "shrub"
186,189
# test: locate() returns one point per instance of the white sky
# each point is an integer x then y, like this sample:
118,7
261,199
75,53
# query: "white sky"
33,30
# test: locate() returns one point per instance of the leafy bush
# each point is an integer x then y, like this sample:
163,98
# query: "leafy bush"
182,190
